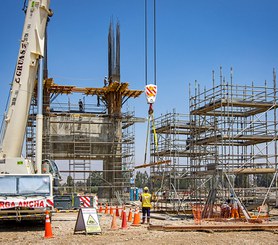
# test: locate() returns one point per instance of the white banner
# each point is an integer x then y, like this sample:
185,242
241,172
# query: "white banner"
36,202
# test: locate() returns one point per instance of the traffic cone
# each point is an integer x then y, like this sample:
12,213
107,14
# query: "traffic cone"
121,215
114,225
48,229
100,208
124,221
136,219
129,219
111,211
106,209
117,211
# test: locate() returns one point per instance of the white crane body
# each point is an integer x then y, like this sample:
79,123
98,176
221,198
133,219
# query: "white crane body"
31,49
21,187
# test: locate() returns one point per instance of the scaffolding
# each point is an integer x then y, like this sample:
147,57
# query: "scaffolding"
225,147
240,144
95,141
128,146
170,158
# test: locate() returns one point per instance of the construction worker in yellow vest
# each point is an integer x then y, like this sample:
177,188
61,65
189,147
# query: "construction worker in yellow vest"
146,199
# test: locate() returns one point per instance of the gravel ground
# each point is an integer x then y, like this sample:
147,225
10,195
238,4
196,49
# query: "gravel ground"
63,228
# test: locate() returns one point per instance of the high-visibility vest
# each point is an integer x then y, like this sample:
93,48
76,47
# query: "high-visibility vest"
146,200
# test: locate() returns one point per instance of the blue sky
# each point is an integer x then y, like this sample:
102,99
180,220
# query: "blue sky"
193,38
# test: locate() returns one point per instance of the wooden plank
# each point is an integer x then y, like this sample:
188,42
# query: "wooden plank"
228,227
122,88
252,170
181,153
238,171
153,164
235,139
211,108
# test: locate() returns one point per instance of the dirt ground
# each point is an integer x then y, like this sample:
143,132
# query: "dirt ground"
63,229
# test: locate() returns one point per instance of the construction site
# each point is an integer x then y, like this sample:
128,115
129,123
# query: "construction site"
68,157
226,145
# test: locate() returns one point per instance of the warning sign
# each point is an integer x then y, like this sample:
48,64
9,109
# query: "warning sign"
91,220
87,220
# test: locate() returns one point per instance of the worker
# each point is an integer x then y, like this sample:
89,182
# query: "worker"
234,208
225,209
80,103
187,142
146,199
105,81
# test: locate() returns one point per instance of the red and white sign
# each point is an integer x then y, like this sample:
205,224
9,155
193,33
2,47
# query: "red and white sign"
49,202
150,91
85,201
39,202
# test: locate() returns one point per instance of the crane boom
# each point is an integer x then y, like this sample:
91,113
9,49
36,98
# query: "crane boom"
22,189
30,50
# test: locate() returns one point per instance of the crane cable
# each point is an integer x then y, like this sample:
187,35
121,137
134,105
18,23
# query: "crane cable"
150,89
146,41
154,39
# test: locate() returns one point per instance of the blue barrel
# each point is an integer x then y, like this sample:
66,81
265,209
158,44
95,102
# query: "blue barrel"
136,194
131,194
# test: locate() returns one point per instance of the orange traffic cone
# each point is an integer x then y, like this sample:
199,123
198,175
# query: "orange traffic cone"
106,209
111,211
48,229
129,219
114,225
117,211
100,208
124,221
121,215
136,219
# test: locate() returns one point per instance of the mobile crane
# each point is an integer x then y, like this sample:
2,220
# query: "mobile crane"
25,192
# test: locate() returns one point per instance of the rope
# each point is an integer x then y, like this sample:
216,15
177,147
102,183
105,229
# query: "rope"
150,120
154,133
147,138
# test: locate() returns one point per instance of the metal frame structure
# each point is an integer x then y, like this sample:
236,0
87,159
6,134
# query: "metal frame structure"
76,138
172,130
228,145
97,133
240,144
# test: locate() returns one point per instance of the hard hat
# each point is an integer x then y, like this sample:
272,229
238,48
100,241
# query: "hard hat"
146,188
